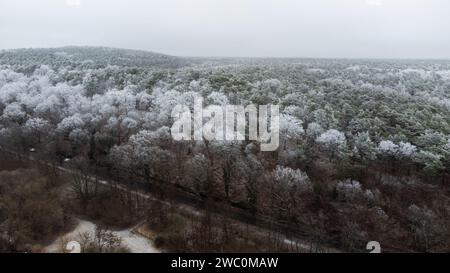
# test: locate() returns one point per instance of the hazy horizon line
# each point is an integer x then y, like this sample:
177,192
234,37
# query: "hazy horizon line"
237,57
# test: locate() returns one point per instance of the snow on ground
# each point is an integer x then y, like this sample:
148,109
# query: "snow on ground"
135,242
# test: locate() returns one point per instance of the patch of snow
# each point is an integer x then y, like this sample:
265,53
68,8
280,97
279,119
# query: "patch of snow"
134,242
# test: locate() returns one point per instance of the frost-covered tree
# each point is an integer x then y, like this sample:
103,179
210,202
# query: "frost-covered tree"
333,140
432,162
144,155
406,150
349,190
364,147
9,92
388,148
37,127
14,113
314,130
217,98
287,179
71,123
291,129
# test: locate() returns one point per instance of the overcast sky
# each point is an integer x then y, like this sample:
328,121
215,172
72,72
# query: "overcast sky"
278,28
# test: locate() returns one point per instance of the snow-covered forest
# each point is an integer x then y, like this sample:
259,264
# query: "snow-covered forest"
364,144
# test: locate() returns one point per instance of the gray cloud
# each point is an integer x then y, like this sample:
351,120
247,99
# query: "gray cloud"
279,28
